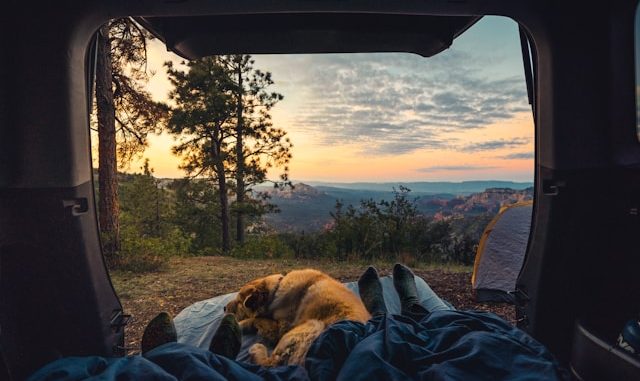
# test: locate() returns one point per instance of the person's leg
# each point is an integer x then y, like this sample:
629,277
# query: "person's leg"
227,339
370,291
429,299
405,285
159,331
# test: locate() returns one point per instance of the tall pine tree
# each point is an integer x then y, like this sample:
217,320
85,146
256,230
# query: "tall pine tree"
203,120
222,115
126,114
259,145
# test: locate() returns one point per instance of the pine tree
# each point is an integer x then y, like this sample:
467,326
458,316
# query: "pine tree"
126,114
196,213
108,207
145,204
259,145
222,116
203,120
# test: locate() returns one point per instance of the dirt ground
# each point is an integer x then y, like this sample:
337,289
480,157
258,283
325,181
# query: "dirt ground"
188,280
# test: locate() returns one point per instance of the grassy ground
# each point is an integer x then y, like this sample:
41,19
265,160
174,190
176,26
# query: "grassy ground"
188,280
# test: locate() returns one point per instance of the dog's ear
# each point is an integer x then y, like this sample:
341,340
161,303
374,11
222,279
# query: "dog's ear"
257,298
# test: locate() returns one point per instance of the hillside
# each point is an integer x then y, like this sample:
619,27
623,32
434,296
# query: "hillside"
303,208
488,201
307,208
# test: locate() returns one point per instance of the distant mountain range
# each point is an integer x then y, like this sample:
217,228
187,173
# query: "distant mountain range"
456,188
308,208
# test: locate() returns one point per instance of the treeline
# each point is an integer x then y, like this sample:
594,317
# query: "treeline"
161,219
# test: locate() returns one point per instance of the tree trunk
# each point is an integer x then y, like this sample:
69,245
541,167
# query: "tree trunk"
240,159
224,208
157,227
108,206
222,190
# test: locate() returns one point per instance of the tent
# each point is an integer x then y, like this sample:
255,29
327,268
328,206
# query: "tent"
501,253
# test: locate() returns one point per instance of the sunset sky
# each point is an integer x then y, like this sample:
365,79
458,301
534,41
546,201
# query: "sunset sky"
461,115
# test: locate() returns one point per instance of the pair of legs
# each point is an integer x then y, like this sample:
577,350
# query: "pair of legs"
227,339
372,296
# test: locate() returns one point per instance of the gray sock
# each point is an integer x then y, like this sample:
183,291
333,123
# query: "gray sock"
405,285
160,330
228,338
370,291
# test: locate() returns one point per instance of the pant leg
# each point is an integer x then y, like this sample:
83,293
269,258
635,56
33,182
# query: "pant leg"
429,302
429,299
417,312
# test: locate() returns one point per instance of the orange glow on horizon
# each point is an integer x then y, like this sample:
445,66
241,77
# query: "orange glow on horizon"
350,162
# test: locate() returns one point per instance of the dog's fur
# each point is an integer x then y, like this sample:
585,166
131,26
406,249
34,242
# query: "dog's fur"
293,310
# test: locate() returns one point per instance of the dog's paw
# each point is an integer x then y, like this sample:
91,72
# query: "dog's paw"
259,354
267,329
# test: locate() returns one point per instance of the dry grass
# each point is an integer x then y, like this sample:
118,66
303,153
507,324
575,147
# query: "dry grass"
188,280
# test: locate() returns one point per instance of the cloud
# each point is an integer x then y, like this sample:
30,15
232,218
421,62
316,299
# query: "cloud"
519,155
492,145
399,103
437,168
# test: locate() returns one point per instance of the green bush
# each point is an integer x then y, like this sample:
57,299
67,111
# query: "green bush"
390,230
146,254
310,246
263,247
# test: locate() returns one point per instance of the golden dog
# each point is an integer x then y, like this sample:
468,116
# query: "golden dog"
293,310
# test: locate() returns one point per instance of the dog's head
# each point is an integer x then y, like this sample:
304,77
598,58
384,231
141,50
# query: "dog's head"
253,299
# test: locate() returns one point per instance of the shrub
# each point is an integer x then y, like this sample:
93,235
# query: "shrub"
310,246
390,230
146,254
263,247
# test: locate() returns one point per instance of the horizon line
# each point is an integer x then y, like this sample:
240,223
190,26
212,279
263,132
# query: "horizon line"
358,181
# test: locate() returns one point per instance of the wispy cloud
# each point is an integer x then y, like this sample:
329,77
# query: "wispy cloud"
399,103
518,155
491,145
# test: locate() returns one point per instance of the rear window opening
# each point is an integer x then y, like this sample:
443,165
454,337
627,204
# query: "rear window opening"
349,158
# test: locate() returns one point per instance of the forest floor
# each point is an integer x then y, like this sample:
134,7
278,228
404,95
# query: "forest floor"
188,280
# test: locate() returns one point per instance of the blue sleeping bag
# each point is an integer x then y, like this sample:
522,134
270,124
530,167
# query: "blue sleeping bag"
445,345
